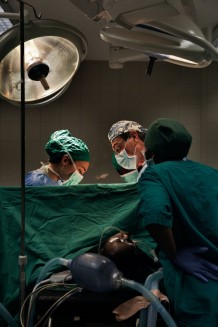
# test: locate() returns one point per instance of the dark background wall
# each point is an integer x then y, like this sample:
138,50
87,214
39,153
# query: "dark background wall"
99,96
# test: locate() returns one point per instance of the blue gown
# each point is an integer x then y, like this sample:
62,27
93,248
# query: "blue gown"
183,195
40,178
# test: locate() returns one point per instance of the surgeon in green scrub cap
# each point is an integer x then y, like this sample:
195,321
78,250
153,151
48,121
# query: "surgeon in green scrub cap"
179,207
68,161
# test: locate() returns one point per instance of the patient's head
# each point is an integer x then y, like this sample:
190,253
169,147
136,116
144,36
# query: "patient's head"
119,248
129,259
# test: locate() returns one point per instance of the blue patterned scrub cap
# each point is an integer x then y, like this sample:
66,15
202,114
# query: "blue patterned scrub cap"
124,126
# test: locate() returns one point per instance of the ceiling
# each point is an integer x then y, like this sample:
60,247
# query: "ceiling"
203,12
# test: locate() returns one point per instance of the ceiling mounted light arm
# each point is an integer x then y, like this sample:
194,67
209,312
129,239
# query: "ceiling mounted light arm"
166,19
115,10
118,56
91,8
175,37
33,8
17,16
182,27
156,44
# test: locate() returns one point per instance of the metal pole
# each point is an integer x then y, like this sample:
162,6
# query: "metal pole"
22,257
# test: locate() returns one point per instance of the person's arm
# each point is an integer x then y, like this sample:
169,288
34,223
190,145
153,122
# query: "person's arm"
163,236
155,215
189,259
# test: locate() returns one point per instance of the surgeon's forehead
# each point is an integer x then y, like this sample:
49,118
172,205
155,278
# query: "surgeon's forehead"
84,165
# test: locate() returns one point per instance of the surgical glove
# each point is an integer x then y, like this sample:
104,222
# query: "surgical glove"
191,261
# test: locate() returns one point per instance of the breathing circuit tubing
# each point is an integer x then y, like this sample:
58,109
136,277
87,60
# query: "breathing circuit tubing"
148,316
51,264
152,299
99,274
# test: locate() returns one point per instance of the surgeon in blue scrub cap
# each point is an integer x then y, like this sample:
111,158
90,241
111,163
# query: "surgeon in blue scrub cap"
68,161
127,141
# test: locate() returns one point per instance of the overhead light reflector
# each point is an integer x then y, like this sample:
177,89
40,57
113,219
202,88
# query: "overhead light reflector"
53,52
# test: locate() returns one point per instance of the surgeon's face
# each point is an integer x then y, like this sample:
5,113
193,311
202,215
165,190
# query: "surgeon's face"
82,166
133,146
118,144
68,168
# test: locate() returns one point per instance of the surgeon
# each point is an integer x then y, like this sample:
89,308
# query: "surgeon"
179,208
127,141
68,161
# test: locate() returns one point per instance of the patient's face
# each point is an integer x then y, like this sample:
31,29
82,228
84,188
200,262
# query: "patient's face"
119,246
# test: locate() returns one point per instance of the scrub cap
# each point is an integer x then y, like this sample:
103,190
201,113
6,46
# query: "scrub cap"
168,139
62,142
124,126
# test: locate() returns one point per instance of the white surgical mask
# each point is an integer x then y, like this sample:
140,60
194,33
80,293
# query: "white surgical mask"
130,177
74,179
126,161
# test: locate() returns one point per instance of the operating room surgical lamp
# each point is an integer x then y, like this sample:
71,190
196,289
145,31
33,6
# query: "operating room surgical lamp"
138,29
53,53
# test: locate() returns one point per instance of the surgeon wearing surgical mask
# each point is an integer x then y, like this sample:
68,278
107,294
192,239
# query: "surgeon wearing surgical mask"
126,175
68,162
127,141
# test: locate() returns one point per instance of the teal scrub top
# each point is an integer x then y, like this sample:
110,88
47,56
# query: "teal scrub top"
183,195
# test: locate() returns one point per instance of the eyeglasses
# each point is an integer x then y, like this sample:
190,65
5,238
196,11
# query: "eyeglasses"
118,146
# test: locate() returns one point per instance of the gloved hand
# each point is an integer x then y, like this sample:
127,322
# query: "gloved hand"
191,261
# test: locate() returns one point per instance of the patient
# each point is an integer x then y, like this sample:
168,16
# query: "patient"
129,259
135,265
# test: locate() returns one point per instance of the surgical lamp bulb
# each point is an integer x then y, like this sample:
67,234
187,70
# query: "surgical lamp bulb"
38,71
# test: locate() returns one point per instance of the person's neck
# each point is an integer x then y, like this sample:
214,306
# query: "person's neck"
52,172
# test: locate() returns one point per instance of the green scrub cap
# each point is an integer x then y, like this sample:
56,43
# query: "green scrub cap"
124,126
168,139
62,142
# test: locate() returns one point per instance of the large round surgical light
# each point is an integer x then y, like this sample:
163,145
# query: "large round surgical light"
53,53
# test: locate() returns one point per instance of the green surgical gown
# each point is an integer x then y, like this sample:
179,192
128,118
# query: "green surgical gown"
183,195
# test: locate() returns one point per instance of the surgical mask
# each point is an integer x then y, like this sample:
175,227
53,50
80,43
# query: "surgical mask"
130,177
74,179
126,161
